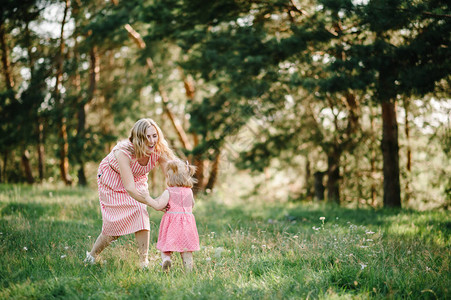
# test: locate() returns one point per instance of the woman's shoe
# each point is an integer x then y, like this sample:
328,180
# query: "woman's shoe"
90,260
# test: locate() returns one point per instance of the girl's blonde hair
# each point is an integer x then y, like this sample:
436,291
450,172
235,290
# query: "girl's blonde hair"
138,138
180,173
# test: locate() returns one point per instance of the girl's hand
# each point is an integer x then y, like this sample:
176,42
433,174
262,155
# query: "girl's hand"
164,209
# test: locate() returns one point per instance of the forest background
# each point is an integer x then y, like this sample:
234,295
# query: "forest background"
337,100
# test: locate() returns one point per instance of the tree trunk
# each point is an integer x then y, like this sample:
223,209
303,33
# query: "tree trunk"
9,85
333,177
81,116
372,159
199,163
64,149
165,99
408,151
319,186
213,173
41,151
5,59
308,175
190,91
63,141
5,161
27,167
390,152
81,128
39,129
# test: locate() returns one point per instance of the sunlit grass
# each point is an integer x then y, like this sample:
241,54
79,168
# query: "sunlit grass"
249,250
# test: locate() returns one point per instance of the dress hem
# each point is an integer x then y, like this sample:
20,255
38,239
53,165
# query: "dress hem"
128,232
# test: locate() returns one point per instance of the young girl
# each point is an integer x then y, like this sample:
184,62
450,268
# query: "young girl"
178,232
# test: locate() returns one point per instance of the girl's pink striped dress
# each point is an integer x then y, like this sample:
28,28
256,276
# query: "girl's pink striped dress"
178,231
121,214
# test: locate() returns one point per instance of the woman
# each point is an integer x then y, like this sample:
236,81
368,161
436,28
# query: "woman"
123,189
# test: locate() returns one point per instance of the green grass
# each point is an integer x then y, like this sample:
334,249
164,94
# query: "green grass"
250,250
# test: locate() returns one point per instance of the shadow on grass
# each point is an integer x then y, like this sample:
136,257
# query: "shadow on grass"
33,210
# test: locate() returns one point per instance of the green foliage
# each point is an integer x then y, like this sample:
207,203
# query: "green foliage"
249,250
277,72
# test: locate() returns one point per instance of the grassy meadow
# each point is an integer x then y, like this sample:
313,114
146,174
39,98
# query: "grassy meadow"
249,250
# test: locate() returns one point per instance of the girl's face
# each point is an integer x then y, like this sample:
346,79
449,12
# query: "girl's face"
152,138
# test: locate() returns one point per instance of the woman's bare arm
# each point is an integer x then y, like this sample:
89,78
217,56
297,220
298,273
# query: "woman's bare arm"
127,179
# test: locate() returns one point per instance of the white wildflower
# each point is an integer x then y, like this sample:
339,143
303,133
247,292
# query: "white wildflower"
63,256
218,252
369,232
428,269
25,248
67,247
295,237
322,218
362,266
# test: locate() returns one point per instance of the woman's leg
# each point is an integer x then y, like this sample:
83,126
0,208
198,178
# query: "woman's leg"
187,258
142,238
101,243
166,257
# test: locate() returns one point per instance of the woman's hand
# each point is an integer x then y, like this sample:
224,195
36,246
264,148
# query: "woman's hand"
161,203
146,196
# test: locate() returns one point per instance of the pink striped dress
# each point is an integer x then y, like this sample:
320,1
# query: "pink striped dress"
121,214
178,231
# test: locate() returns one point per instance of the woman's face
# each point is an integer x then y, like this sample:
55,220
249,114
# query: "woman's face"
152,138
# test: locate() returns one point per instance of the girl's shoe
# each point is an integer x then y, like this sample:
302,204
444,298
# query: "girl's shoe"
90,260
166,264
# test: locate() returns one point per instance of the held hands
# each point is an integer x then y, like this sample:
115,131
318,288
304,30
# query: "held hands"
164,209
147,199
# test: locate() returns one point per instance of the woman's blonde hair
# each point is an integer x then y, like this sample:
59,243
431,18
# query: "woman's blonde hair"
138,137
180,173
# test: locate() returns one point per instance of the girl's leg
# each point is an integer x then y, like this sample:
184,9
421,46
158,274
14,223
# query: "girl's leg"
166,257
142,238
187,258
101,243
